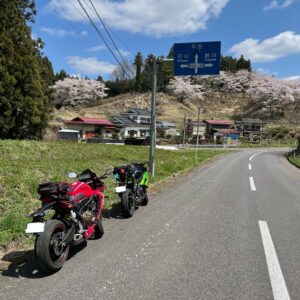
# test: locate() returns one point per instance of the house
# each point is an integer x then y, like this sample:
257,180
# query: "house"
250,128
133,123
91,127
141,116
214,126
193,126
165,129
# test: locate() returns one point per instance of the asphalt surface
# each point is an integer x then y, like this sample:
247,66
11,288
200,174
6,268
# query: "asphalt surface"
199,238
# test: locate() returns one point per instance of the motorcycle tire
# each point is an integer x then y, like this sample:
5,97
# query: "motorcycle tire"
145,199
50,257
128,203
99,231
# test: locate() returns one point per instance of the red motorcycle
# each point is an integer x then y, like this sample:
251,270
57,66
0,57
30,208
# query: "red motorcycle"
76,217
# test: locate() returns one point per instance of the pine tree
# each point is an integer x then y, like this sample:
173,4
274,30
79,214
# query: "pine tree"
243,64
61,75
24,108
147,73
138,62
100,78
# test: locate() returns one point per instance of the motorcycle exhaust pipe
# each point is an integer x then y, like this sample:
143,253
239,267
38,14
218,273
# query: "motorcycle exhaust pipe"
78,238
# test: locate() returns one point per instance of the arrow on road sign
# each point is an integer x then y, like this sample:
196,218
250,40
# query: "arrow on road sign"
196,63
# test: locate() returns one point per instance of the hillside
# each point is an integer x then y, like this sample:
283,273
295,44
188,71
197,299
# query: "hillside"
242,94
168,108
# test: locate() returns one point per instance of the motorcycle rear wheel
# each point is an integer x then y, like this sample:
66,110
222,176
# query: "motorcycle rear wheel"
50,256
128,203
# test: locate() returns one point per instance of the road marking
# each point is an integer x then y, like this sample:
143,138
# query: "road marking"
279,288
252,185
253,155
250,167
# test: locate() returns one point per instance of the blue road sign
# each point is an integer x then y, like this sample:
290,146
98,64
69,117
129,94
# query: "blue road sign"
197,58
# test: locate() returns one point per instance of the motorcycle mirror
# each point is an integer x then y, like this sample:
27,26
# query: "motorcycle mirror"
72,175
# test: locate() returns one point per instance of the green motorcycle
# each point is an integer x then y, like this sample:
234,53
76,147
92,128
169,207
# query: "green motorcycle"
132,183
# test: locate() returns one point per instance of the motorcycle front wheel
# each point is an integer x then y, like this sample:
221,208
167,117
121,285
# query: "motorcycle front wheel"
99,231
128,203
49,253
145,199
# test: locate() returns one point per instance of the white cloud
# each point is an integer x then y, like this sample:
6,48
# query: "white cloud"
103,47
97,48
90,65
292,78
270,49
275,4
266,71
78,75
125,53
62,32
151,17
34,36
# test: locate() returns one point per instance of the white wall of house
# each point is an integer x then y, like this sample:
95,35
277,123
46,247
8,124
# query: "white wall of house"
141,119
202,131
171,131
139,131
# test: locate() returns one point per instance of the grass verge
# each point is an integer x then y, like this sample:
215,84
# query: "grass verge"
294,158
26,164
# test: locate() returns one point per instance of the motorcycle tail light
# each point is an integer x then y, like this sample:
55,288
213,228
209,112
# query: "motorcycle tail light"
122,174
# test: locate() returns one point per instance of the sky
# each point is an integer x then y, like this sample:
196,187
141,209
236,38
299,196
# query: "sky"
265,31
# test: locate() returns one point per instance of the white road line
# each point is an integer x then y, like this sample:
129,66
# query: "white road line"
250,167
279,288
253,155
252,185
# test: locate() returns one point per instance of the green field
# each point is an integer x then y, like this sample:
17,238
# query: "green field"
25,164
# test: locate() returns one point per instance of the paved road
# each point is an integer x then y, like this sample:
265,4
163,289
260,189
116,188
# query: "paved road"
216,234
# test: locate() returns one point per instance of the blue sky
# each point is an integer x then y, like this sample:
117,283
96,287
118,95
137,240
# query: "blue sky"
265,31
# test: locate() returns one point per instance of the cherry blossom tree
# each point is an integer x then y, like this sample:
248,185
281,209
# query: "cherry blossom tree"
266,92
184,89
74,91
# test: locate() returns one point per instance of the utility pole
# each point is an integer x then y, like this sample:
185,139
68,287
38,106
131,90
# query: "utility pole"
184,130
197,142
153,113
153,118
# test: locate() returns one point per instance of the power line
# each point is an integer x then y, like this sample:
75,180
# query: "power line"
105,27
102,37
74,28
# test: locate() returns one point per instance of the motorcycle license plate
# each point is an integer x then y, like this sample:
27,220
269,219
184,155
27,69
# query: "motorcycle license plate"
120,189
35,227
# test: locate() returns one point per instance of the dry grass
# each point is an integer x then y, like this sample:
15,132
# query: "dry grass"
168,108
